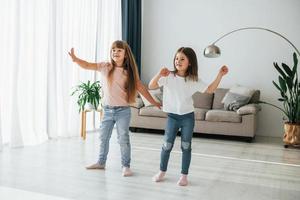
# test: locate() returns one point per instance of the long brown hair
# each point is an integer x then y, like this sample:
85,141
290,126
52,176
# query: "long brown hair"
192,70
130,66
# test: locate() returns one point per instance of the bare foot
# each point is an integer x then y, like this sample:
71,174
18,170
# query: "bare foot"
159,176
182,180
126,171
96,166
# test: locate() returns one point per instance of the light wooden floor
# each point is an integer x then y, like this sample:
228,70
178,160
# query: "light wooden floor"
220,170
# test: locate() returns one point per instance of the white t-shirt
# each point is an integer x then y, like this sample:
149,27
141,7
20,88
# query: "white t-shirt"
177,97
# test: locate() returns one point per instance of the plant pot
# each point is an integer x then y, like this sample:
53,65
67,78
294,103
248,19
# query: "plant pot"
291,134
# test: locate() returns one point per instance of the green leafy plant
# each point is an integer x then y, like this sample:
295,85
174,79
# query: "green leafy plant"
88,93
289,88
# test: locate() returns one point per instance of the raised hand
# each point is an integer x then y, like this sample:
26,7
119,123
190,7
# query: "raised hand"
72,54
223,70
164,72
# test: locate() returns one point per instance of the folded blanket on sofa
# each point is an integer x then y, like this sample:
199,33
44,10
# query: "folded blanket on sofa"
237,97
235,101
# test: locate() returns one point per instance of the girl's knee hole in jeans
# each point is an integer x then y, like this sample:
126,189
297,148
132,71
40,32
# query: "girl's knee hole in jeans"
167,146
123,140
185,145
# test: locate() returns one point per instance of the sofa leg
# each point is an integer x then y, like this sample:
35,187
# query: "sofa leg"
249,139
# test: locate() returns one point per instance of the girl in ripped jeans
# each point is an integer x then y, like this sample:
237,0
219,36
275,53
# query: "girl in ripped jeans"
179,85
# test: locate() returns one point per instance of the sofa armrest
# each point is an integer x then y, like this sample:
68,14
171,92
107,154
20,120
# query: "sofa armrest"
249,109
138,103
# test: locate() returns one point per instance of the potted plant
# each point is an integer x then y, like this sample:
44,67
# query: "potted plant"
88,95
289,88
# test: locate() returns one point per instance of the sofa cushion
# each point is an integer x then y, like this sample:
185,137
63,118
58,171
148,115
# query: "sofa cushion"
255,97
152,111
203,100
223,116
200,113
218,96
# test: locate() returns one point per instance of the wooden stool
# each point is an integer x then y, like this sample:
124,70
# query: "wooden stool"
83,121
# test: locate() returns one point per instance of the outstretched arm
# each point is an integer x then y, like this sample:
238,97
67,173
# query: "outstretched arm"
214,85
82,63
154,82
143,90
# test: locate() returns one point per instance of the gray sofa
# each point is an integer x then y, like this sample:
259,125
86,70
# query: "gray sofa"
210,116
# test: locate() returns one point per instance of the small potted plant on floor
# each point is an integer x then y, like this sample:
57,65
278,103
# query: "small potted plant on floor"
88,95
289,88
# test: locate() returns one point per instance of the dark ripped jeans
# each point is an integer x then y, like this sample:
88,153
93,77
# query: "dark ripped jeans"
175,122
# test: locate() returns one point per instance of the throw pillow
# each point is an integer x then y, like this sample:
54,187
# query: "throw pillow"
236,97
202,100
154,94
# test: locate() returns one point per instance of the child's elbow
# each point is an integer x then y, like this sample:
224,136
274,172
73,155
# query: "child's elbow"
150,86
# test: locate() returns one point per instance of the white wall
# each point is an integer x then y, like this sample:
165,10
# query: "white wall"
170,24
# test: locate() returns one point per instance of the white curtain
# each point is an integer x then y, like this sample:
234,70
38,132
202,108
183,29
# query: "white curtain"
0,134
36,73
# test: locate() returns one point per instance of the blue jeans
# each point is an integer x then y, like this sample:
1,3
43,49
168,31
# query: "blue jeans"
120,116
175,122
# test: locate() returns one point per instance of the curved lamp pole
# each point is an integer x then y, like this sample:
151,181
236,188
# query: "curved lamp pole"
213,51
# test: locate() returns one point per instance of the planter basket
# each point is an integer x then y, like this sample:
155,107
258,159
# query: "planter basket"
291,134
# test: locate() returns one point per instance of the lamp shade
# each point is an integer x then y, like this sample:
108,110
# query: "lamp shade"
212,51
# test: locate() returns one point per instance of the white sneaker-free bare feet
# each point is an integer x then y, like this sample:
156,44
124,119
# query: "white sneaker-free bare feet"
183,180
96,166
159,176
126,171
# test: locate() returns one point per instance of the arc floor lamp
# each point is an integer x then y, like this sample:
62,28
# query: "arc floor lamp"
292,129
213,51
